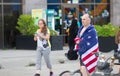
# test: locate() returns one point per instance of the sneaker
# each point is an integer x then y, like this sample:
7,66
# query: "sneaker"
37,74
51,73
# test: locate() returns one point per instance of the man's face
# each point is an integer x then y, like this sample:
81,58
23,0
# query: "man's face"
85,20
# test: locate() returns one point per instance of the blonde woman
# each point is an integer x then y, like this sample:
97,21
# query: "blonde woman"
43,47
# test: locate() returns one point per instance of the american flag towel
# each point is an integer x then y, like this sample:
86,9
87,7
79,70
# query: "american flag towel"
90,59
87,47
76,44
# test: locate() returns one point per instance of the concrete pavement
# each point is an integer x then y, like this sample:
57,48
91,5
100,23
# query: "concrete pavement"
15,62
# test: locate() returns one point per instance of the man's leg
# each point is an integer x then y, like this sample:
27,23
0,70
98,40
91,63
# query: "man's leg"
84,71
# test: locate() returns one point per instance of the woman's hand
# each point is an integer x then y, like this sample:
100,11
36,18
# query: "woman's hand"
35,37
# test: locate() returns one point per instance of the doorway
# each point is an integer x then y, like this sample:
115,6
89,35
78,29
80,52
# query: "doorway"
69,11
9,13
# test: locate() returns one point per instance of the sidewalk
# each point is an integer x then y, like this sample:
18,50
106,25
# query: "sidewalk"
15,62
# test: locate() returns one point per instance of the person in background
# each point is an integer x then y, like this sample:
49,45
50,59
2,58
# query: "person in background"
87,46
78,23
42,37
117,41
117,38
71,54
72,34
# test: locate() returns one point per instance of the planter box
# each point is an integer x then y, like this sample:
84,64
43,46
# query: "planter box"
25,42
106,44
56,42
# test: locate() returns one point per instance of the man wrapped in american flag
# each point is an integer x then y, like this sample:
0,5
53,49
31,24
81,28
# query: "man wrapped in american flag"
87,46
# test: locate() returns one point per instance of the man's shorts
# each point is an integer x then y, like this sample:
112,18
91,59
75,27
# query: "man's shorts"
81,63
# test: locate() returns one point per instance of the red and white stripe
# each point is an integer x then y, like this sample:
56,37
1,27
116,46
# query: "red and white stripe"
89,59
76,47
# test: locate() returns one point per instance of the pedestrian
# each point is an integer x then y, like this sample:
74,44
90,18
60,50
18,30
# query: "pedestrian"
72,34
71,54
42,37
88,46
117,38
117,41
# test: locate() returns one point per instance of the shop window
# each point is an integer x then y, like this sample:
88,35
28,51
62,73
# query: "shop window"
0,18
1,30
11,14
12,1
70,1
66,1
57,16
102,1
86,1
53,1
101,14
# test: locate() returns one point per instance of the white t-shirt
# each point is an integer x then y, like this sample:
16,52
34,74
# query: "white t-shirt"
39,40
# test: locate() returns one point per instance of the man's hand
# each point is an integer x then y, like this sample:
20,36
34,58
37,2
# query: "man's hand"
77,40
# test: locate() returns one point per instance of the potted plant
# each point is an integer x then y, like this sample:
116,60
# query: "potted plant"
27,28
56,40
106,36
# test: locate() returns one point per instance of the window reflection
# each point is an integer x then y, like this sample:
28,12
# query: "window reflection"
55,7
11,14
98,9
66,1
72,1
57,15
102,1
53,1
0,17
101,14
86,1
12,1
1,29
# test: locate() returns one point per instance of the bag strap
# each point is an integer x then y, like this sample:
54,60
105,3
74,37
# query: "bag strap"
48,40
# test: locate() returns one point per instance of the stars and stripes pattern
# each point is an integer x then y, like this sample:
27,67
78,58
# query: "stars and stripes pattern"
87,47
90,59
76,44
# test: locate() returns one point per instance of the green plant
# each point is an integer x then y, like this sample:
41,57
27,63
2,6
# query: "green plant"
106,30
26,25
53,33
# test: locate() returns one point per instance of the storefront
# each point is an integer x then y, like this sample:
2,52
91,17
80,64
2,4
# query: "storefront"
101,11
9,12
98,9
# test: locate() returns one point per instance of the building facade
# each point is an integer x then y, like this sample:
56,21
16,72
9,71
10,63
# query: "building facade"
101,11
